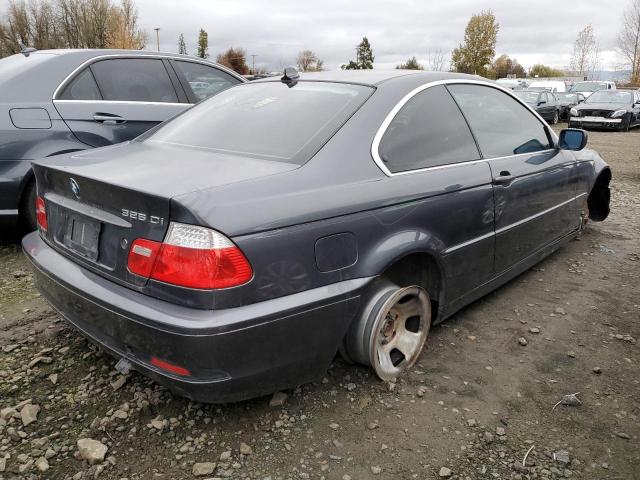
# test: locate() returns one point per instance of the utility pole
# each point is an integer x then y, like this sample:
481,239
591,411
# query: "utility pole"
253,66
157,29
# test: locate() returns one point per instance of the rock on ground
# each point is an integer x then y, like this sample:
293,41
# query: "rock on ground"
91,450
203,468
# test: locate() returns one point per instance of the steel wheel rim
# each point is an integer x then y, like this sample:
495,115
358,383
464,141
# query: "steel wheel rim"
399,332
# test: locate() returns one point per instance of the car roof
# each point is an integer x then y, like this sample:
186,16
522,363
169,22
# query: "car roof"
96,52
36,76
375,76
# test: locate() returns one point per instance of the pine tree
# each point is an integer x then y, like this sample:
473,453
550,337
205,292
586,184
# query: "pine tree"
364,60
203,44
182,46
411,64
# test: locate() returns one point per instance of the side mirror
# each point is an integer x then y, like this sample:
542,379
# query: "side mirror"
572,139
542,102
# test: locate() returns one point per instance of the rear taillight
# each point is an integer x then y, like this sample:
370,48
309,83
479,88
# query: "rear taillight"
191,256
41,214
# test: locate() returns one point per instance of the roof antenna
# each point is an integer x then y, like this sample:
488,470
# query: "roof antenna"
290,77
26,50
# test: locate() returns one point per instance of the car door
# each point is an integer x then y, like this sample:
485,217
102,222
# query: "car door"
636,108
534,183
201,81
548,106
428,147
116,99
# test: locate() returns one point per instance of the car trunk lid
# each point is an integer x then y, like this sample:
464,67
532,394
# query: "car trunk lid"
98,202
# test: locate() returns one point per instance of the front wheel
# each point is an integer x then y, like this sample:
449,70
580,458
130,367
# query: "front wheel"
626,124
392,329
555,119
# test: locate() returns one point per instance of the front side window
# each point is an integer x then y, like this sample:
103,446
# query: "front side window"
82,87
502,125
269,120
203,80
134,80
428,131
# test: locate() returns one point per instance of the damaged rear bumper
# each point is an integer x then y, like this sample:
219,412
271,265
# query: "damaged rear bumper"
230,355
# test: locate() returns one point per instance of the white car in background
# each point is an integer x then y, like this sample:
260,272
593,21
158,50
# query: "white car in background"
512,83
587,88
550,85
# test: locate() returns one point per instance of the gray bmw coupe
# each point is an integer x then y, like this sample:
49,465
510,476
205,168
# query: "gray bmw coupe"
233,250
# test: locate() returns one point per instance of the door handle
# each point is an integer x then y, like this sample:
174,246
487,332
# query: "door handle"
108,119
505,178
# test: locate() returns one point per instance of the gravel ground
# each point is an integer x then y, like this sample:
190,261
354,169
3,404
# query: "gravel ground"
481,397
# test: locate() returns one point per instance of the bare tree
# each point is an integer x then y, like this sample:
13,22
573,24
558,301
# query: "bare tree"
629,39
70,23
436,60
123,28
585,56
308,62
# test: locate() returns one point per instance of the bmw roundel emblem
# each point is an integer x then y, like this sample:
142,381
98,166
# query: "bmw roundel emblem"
75,188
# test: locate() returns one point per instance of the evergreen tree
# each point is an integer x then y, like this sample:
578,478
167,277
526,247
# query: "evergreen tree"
411,64
182,46
203,44
364,60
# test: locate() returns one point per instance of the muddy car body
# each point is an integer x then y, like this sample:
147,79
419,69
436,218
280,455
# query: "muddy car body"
353,223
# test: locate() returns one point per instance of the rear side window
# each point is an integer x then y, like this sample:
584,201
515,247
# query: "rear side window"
428,131
203,80
134,80
82,87
502,125
267,120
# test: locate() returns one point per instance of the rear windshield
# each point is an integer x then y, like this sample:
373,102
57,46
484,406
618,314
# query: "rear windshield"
529,97
267,120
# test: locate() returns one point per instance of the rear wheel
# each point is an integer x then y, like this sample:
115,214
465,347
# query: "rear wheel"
555,119
392,330
28,208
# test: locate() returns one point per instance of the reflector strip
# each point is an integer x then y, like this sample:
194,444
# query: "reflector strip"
169,367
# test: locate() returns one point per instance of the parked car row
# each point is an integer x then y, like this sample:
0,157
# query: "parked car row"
61,101
233,250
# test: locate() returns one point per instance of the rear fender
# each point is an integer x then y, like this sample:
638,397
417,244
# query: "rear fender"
393,249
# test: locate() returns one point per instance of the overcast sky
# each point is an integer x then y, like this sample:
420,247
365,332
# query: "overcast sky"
532,31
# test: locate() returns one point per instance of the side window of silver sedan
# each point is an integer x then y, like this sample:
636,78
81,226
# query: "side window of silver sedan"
502,125
427,131
205,81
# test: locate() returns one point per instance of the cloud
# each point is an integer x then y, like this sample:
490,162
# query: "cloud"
540,31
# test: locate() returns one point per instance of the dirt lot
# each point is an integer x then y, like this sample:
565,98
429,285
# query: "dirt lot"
475,404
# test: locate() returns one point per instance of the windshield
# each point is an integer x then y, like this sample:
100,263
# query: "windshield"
529,97
609,96
567,97
588,87
267,119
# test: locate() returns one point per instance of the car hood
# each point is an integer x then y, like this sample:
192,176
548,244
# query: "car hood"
165,169
603,106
